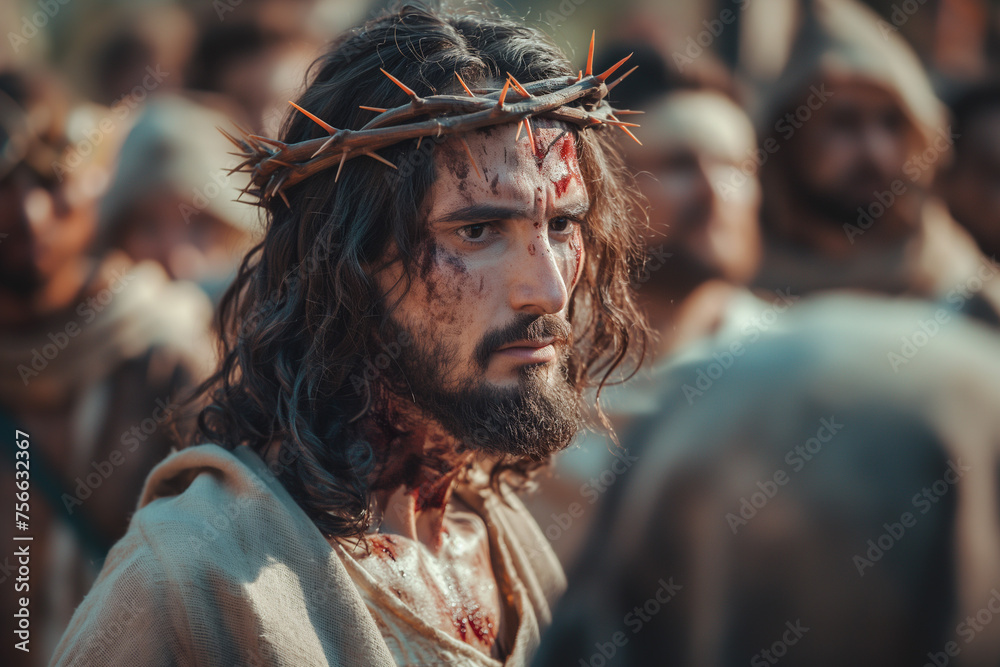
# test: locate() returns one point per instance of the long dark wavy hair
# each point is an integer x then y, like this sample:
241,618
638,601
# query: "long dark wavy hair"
301,324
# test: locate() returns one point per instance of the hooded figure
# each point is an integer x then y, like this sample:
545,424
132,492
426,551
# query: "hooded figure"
174,200
851,137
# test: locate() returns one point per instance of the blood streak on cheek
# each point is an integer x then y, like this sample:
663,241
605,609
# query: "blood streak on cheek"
577,244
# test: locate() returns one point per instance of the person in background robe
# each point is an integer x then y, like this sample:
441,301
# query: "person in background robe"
830,498
851,137
95,351
702,240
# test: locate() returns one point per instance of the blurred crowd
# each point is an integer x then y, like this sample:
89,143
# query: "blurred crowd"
807,165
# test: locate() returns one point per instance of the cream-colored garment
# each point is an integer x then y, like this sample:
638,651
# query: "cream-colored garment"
414,642
220,566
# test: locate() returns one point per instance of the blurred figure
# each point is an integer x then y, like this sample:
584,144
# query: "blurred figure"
703,242
123,41
852,138
971,184
173,200
702,247
257,64
94,352
822,504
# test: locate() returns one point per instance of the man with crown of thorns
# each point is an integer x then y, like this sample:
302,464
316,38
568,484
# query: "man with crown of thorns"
445,271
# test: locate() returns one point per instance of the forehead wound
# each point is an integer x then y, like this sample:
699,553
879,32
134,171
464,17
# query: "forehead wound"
549,153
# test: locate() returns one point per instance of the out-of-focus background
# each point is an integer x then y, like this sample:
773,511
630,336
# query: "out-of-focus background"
790,148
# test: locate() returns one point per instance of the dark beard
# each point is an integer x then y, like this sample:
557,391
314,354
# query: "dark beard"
21,284
531,420
837,207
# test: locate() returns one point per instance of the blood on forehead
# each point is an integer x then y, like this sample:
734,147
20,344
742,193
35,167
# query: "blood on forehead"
553,152
552,155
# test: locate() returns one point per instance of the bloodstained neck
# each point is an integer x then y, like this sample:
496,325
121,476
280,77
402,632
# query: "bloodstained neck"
417,467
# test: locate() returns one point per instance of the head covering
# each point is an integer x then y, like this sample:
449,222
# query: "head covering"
176,147
842,40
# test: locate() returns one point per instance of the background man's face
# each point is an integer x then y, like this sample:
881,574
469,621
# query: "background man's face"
195,246
854,145
46,225
702,208
504,250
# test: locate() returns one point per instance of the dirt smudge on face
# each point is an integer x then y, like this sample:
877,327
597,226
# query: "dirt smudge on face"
454,262
427,259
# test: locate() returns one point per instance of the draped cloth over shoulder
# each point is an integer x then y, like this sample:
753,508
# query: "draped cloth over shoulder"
221,567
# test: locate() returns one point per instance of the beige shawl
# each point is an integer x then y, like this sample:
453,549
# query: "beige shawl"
220,566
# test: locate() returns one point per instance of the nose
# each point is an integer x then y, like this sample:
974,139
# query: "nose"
538,278
881,147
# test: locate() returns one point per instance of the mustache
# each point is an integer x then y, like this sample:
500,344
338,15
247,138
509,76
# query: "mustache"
524,327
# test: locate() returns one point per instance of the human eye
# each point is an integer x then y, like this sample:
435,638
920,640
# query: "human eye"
563,224
475,234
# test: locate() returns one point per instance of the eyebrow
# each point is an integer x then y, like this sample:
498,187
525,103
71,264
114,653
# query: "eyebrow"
488,212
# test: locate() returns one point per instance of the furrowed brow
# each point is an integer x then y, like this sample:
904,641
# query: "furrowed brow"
483,213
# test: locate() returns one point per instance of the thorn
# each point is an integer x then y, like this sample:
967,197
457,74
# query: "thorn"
406,89
611,70
273,142
343,157
579,76
619,123
531,135
323,147
376,109
626,131
419,139
322,123
519,87
242,129
281,162
468,151
459,76
590,55
626,112
517,136
239,144
278,184
284,198
619,79
378,157
503,94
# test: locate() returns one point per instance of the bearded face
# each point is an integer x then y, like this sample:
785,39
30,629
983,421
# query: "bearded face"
487,307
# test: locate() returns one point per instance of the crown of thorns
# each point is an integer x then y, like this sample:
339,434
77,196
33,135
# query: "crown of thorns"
274,165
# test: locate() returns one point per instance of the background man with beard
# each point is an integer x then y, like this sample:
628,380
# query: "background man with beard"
400,346
851,137
702,248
